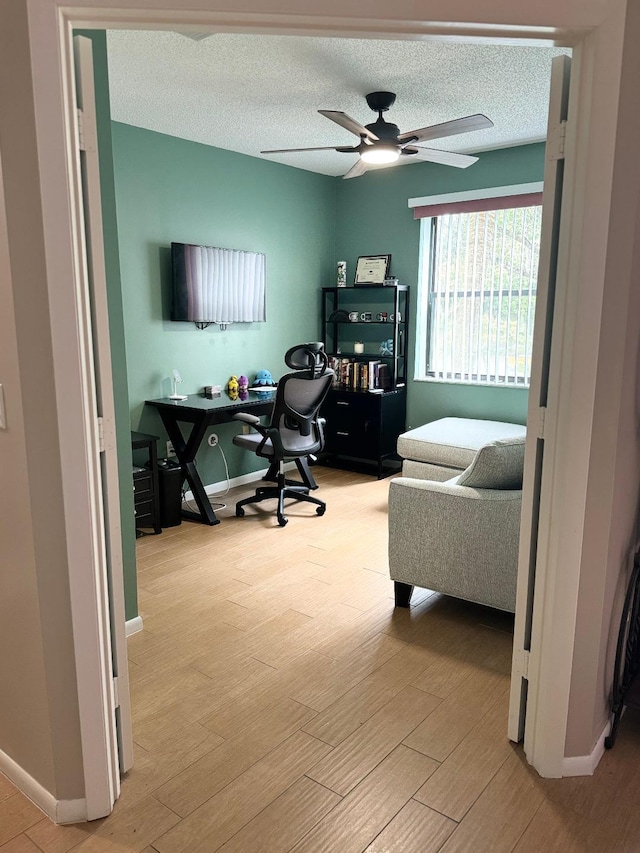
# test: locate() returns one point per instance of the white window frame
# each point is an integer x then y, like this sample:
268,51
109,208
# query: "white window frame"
422,303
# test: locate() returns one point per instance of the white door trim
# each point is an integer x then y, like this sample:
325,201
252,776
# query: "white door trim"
88,588
568,431
540,448
79,446
97,282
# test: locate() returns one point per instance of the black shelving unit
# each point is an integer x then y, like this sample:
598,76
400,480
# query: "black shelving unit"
365,411
145,481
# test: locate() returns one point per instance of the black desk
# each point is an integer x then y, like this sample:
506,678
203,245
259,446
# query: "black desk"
201,413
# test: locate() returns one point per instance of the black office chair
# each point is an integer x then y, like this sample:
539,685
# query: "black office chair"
295,430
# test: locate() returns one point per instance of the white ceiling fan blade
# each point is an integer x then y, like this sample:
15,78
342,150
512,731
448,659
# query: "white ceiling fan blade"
348,123
288,150
358,168
446,158
447,128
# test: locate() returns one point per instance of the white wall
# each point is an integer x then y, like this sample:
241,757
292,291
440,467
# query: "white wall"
39,723
613,472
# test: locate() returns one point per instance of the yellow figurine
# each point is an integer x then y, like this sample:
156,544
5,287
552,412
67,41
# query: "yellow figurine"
233,388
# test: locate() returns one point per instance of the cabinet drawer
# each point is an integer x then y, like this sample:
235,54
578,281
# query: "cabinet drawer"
143,508
353,434
142,485
339,405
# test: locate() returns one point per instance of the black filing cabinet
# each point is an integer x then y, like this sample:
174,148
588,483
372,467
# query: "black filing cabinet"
145,481
364,426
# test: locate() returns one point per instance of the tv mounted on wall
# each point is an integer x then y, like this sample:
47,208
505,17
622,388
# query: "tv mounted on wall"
212,285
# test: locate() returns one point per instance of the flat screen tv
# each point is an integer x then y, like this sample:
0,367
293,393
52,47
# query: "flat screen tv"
212,285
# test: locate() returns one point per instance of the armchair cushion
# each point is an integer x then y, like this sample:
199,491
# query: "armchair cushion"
497,465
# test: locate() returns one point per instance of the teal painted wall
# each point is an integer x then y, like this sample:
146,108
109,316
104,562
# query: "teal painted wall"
372,218
169,189
116,321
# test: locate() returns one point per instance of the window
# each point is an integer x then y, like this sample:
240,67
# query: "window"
478,282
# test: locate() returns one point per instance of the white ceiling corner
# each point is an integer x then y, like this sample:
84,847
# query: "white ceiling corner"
250,92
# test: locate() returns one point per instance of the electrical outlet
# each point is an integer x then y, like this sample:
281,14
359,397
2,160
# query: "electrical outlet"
212,440
170,450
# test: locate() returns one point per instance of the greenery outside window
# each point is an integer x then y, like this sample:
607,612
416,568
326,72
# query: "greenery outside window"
479,270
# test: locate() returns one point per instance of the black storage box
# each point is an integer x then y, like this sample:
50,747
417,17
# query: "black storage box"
170,487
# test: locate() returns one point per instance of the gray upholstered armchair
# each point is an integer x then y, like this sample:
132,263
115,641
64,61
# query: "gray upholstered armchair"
460,537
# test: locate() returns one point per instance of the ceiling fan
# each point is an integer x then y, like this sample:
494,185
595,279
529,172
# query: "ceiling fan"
381,142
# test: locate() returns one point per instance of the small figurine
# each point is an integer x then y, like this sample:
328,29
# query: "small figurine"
263,377
263,384
243,387
386,347
233,388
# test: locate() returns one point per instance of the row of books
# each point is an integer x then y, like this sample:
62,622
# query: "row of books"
353,375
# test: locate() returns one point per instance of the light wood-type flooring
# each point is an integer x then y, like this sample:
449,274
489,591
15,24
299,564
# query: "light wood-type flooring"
281,703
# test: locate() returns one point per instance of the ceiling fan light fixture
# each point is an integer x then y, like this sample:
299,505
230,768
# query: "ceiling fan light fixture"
377,154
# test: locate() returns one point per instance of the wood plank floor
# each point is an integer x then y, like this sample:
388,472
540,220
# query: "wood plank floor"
281,703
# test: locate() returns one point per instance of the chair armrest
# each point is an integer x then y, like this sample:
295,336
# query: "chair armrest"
254,420
454,539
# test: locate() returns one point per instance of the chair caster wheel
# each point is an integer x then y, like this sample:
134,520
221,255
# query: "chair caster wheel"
239,511
321,510
282,520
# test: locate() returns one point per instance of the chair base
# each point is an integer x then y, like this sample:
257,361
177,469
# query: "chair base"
281,492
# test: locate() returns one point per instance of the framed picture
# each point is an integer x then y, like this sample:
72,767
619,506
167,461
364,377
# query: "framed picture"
372,269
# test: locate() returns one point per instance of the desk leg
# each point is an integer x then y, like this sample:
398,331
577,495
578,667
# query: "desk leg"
206,514
185,453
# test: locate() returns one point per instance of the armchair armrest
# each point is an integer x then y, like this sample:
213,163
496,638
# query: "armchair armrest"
455,540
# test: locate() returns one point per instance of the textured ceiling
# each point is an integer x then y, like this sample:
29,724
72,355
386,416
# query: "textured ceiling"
250,92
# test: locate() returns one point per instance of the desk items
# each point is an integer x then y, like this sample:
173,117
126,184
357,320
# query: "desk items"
176,380
243,387
263,377
233,388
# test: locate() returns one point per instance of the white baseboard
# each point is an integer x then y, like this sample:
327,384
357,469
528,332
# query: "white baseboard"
59,811
585,765
133,626
242,480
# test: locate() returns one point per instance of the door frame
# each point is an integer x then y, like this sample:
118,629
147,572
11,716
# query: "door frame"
558,597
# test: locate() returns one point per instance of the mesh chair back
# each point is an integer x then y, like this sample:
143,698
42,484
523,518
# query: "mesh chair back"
298,399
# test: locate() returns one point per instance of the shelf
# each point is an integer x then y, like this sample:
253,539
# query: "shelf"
372,301
389,323
362,356
363,287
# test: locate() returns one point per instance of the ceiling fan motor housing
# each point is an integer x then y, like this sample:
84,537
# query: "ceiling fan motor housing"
380,102
384,130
